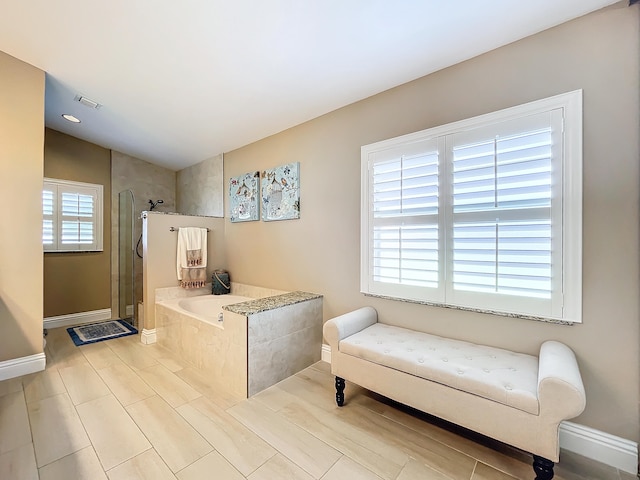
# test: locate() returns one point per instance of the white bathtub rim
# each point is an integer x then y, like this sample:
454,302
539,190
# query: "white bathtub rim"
174,304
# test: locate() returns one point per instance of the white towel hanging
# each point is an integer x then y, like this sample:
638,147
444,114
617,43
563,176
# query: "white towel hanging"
191,256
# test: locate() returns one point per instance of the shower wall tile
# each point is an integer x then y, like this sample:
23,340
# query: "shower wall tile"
200,188
253,291
170,293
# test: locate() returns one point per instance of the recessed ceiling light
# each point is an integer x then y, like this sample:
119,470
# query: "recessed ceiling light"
71,118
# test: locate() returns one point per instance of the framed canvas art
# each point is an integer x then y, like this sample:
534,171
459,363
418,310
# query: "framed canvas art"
243,197
280,188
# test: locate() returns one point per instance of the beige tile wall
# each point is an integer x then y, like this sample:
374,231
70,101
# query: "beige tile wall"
200,188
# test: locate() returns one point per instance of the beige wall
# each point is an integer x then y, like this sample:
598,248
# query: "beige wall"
80,281
147,182
200,188
320,252
159,263
21,167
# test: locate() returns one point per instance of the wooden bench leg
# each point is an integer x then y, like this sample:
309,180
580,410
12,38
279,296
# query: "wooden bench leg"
543,468
340,391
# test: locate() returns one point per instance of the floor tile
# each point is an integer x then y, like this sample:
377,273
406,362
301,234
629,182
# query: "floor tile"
114,435
125,384
100,355
275,398
172,437
627,476
81,465
485,472
514,462
317,388
207,387
19,464
294,430
11,385
165,357
56,427
383,458
347,468
415,470
203,468
61,351
132,355
321,380
576,467
281,468
14,420
146,466
175,391
77,358
437,455
38,386
240,446
299,446
171,364
83,383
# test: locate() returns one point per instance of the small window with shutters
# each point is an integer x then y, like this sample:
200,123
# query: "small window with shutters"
483,214
72,216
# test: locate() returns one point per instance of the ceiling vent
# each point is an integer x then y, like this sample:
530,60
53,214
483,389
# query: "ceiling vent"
87,102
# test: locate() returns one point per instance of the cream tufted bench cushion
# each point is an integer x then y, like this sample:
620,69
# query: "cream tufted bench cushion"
516,398
499,375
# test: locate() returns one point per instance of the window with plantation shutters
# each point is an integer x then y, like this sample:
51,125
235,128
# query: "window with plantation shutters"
72,216
483,214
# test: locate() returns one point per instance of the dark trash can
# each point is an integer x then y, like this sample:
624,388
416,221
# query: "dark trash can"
220,282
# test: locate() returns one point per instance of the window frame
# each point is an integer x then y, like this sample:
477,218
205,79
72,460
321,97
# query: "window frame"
58,187
569,210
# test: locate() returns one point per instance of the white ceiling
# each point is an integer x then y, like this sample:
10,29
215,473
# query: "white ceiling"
182,81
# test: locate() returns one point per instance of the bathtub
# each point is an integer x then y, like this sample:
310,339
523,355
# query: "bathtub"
257,343
206,308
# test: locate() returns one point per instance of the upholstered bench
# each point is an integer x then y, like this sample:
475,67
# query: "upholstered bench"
515,398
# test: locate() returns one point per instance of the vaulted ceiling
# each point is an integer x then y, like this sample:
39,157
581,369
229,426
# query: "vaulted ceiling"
179,82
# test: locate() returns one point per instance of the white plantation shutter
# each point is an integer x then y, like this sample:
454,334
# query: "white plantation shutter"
77,212
481,214
405,241
504,249
75,223
48,217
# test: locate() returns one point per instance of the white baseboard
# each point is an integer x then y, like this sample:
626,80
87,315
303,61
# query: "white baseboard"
22,366
588,442
325,356
148,336
77,318
600,446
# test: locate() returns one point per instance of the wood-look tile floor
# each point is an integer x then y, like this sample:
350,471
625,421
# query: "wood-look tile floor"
121,410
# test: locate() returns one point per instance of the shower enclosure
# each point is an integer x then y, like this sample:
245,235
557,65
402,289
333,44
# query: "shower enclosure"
126,253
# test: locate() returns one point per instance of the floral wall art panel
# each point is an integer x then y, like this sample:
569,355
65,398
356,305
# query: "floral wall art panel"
243,197
281,192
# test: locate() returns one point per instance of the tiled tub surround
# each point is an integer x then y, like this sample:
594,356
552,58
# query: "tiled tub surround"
206,308
241,289
259,343
220,351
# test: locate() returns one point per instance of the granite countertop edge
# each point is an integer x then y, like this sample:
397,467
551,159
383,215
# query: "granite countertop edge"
259,305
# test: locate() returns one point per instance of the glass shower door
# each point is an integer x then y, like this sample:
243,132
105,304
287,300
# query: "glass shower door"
126,251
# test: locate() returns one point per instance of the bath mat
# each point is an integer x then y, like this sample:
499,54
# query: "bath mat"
97,332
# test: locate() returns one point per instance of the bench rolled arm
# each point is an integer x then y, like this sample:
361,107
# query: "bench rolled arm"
345,325
560,389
